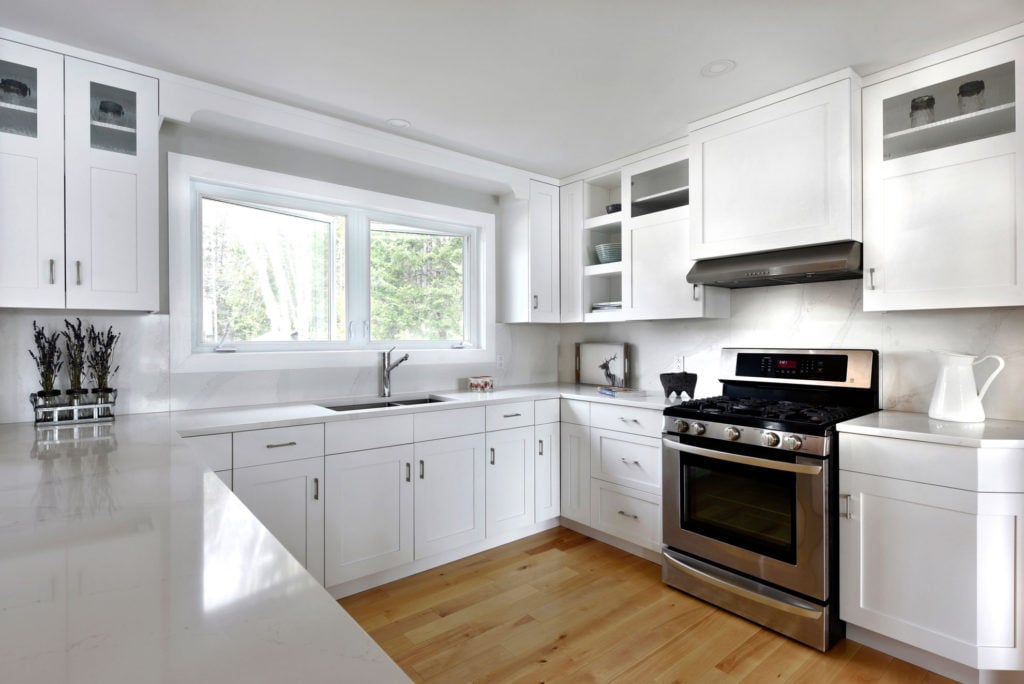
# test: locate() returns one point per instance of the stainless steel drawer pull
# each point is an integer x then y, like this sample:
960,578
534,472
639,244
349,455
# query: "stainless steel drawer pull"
540,451
536,302
316,489
511,415
78,273
696,292
629,462
629,515
848,513
408,472
871,279
421,469
283,444
492,456
53,274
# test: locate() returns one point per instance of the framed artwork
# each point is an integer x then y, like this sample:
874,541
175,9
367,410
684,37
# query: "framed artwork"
602,363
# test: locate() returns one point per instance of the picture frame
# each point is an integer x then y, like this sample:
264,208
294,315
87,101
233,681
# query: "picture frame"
602,363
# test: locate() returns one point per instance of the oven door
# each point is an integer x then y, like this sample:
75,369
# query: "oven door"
754,510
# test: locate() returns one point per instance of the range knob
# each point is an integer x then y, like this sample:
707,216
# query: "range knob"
680,425
732,433
793,442
698,428
770,439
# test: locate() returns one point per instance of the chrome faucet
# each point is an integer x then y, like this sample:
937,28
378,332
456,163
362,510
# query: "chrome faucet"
385,371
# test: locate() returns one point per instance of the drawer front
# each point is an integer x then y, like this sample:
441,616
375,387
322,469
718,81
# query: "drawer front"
626,513
937,464
213,450
545,411
367,433
440,424
276,445
507,416
629,460
575,411
639,421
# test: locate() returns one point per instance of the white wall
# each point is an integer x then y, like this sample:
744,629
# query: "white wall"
824,315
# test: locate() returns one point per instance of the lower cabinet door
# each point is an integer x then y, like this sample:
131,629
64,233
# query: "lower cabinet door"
510,480
449,499
288,498
368,514
574,480
546,469
626,513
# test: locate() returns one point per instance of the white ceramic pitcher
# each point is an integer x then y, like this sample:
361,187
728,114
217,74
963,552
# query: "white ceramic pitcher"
956,396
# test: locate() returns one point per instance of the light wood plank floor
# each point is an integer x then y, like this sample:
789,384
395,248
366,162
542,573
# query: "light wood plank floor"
559,606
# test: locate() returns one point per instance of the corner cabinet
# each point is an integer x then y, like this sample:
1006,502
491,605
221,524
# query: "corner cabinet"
943,209
529,262
78,184
779,172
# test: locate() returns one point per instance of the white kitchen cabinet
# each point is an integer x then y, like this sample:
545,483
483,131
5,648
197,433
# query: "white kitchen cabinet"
575,472
626,513
783,171
509,480
529,257
626,459
31,177
449,497
570,248
288,498
78,184
369,512
944,201
656,244
547,471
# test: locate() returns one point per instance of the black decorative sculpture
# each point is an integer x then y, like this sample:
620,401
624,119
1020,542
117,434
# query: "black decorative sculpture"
678,383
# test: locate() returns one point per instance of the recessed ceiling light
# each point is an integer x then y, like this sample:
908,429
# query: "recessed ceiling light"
717,67
398,123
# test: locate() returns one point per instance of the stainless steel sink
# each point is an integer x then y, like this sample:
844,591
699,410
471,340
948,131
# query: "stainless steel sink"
385,404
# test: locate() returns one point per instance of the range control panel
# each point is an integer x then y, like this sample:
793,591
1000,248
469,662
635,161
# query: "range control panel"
792,366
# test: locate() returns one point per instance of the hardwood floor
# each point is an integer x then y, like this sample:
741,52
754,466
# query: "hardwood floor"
559,606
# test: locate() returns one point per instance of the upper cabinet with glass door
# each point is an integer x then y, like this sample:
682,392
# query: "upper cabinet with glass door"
31,177
944,184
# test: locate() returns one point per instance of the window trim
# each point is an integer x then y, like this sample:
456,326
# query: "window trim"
183,242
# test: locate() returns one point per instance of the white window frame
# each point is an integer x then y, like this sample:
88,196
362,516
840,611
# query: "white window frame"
188,175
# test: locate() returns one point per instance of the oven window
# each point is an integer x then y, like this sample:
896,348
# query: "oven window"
745,506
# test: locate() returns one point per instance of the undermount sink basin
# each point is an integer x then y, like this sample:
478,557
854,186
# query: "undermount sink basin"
385,404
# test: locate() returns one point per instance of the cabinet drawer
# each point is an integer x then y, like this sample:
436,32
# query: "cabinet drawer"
213,450
367,433
507,416
545,411
275,445
626,513
575,411
626,419
630,460
440,424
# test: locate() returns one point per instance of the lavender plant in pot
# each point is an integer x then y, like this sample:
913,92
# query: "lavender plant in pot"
100,360
48,363
74,348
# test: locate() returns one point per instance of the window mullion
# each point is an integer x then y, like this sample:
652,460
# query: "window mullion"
358,278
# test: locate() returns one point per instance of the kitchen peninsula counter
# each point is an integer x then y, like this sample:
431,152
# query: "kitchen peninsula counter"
124,559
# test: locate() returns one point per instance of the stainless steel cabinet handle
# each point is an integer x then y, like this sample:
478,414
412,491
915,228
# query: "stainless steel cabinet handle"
283,444
408,472
78,273
53,274
316,489
627,461
871,279
540,451
848,513
696,292
492,456
421,469
511,415
636,420
536,302
629,515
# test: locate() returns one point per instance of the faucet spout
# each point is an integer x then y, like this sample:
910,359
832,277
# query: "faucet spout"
386,367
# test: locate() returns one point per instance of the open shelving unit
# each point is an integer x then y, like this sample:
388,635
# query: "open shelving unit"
602,283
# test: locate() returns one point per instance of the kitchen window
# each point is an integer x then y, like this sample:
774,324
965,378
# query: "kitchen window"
284,272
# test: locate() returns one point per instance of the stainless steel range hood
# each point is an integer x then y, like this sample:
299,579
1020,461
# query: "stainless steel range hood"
837,261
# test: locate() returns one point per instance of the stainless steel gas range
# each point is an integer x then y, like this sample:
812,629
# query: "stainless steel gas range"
750,482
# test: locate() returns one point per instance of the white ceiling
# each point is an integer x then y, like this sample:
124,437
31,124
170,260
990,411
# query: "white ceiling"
550,86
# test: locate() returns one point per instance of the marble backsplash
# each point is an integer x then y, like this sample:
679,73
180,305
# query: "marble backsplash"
824,315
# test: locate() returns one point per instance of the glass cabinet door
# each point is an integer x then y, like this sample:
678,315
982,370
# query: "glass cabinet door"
112,114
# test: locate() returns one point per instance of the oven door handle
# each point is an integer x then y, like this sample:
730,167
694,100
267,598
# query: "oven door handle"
798,468
787,604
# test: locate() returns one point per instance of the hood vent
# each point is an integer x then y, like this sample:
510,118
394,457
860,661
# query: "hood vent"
818,263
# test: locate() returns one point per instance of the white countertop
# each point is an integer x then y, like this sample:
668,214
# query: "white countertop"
1005,434
123,559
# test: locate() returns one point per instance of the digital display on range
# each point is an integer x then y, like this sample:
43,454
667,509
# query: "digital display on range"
831,367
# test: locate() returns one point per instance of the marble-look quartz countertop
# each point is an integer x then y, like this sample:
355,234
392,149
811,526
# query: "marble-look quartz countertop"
1003,434
205,422
123,559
